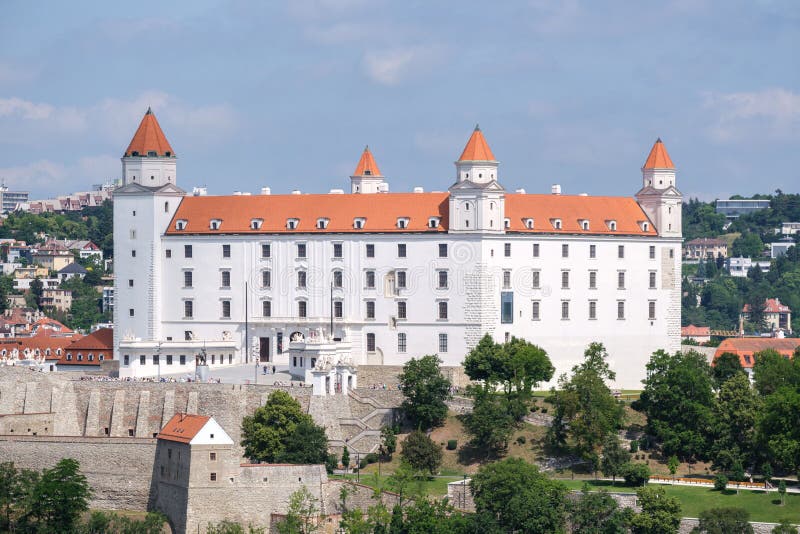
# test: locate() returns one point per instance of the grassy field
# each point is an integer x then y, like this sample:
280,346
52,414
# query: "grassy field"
762,506
435,487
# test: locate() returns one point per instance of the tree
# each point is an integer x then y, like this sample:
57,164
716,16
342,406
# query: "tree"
635,474
725,367
677,400
153,523
388,440
62,496
598,513
748,245
771,371
517,366
614,457
345,458
720,482
36,291
513,496
672,465
404,481
489,422
302,514
425,389
784,527
660,514
733,424
421,452
778,431
724,521
268,434
585,408
782,491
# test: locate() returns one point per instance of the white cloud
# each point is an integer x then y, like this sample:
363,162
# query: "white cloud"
46,178
392,66
767,114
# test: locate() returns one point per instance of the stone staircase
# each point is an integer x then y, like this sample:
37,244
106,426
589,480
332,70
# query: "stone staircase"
353,421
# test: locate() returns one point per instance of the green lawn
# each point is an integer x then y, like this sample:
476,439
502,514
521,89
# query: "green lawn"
761,505
432,486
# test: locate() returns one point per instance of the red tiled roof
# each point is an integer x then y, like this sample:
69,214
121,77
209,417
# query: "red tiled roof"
149,138
366,165
183,427
692,330
477,148
658,158
771,306
382,210
98,343
40,342
745,347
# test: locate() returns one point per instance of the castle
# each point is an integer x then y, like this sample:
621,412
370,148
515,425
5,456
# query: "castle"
240,278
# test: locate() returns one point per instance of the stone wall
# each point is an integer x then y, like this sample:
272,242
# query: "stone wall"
369,375
758,528
34,424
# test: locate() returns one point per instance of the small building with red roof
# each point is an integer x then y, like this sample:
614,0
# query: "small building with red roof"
747,347
700,334
88,353
777,315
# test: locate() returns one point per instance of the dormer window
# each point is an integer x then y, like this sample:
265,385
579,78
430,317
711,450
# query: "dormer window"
402,222
433,222
612,225
645,226
367,172
507,223
556,223
215,224
291,224
359,222
255,224
151,154
180,224
322,223
584,224
528,223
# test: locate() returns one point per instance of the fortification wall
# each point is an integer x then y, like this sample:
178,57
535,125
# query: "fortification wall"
369,375
118,469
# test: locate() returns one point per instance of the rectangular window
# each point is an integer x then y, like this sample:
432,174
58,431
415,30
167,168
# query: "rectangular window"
370,279
370,342
442,250
564,310
188,335
187,251
621,309
126,360
401,342
301,250
535,310
226,251
213,477
442,310
169,359
592,251
401,279
155,359
337,250
370,309
592,309
536,278
564,279
226,279
226,309
621,280
266,308
651,309
266,278
370,251
142,360
536,250
338,309
652,279
130,283
302,309
506,279
187,278
507,250
168,253
401,309
442,343
401,250
337,278
507,307
620,251
301,279
182,359
133,253
565,250
652,252
266,250
592,279
130,312
188,309
442,279
212,456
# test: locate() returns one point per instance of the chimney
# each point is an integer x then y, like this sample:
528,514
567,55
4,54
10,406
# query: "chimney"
520,191
336,192
555,189
419,190
296,192
266,191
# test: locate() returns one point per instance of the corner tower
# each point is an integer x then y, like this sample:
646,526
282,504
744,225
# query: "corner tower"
149,159
367,177
659,197
477,200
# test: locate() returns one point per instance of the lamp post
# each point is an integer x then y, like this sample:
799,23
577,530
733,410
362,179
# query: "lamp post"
358,466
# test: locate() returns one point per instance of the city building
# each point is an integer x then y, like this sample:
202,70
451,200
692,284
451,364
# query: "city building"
733,208
779,248
699,334
11,200
705,247
83,247
56,299
777,316
53,260
790,228
89,352
741,265
747,347
395,275
107,304
71,202
73,270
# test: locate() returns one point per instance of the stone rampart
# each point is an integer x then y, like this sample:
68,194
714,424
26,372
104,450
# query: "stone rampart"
373,375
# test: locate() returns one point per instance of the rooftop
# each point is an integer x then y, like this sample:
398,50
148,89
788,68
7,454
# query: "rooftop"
658,157
183,427
149,139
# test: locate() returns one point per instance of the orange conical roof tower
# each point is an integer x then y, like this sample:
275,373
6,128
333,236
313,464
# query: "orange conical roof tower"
658,158
477,148
149,139
366,165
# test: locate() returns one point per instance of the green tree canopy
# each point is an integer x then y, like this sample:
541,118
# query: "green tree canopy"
724,521
726,366
421,452
660,514
61,496
598,513
614,457
489,423
734,417
771,371
425,389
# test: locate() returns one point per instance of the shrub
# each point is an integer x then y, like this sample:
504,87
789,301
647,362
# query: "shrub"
634,445
452,444
371,458
521,440
635,474
363,463
544,410
720,482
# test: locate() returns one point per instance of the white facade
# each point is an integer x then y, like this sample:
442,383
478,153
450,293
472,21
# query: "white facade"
395,295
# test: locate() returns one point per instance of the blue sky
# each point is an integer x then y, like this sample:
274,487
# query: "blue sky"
287,93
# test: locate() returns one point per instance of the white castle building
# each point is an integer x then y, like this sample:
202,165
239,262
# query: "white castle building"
394,275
